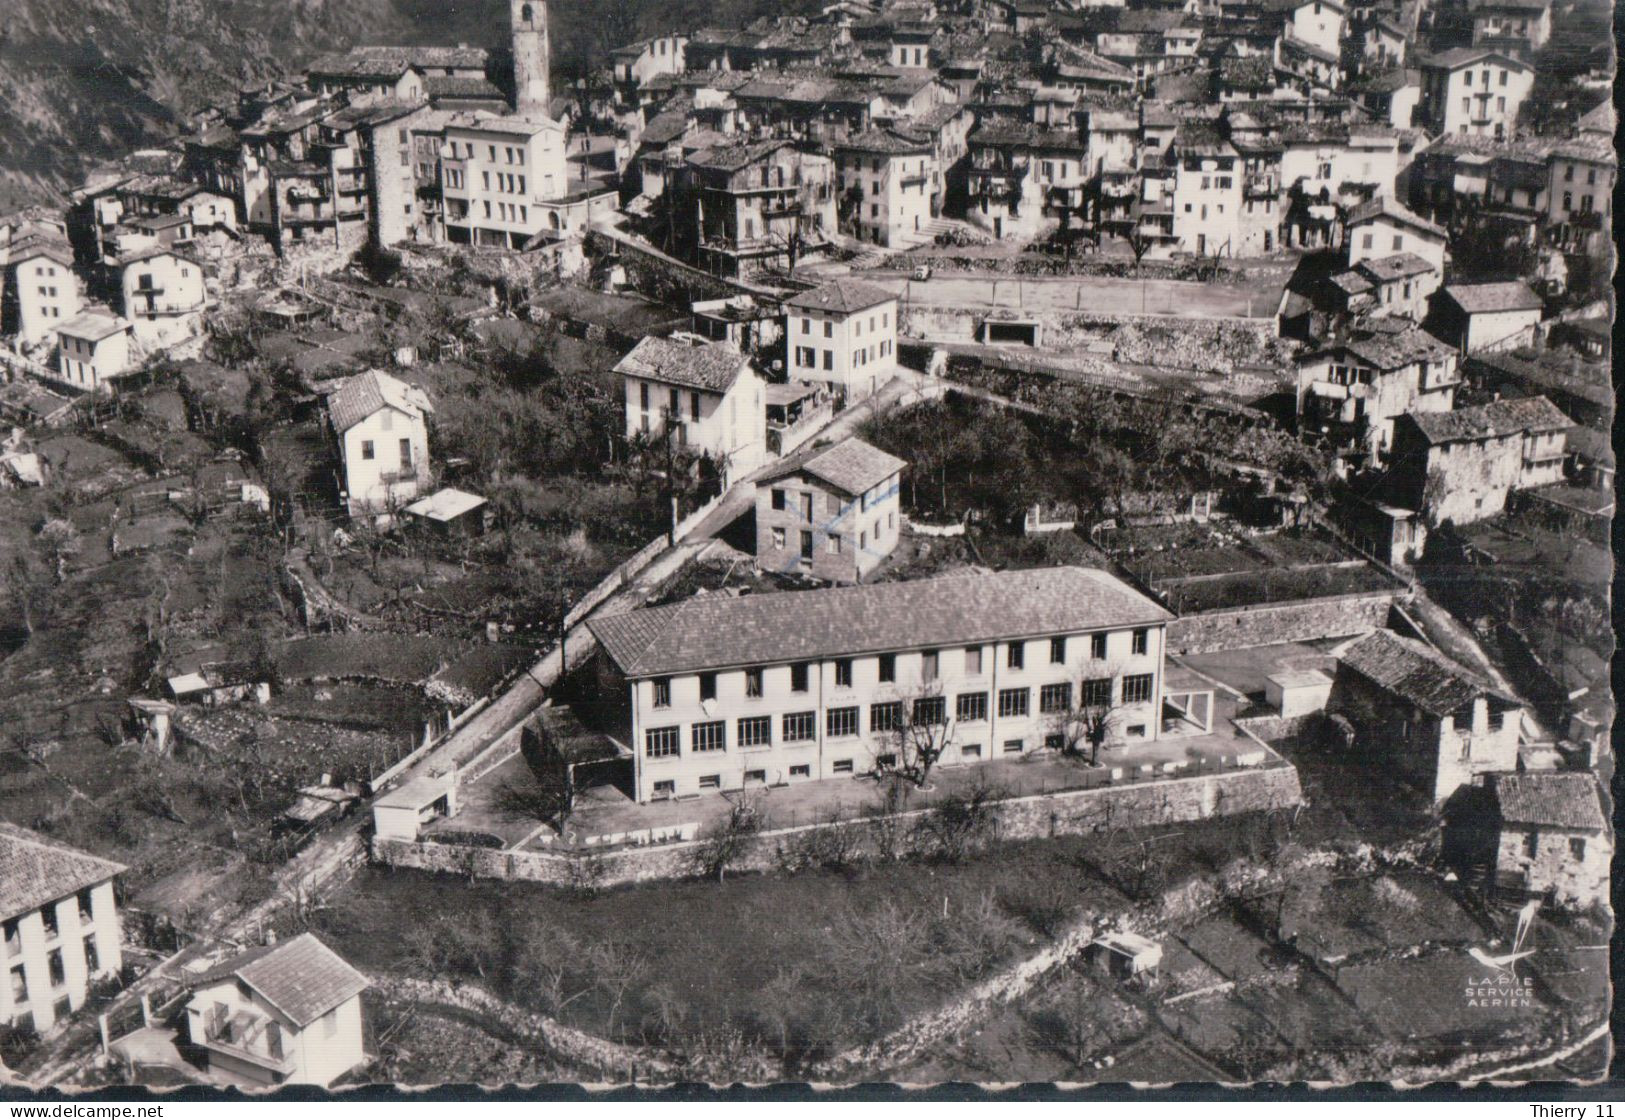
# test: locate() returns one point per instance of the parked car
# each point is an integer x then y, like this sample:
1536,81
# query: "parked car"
923,272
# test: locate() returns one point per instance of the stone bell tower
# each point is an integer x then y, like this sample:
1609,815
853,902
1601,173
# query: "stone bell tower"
531,74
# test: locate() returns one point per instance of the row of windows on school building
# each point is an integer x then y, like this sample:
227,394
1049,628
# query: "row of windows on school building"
887,716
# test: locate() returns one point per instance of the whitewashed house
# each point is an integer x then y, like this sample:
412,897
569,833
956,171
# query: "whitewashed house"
282,1014
381,426
59,926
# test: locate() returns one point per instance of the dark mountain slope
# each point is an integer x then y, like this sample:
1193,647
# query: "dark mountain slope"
85,80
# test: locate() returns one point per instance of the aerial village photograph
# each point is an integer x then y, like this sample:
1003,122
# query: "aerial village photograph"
829,542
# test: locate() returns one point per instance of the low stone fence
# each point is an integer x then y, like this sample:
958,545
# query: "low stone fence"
1298,620
1074,812
616,1063
614,581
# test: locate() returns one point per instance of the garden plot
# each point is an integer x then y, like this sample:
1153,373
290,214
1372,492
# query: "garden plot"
1348,917
290,753
1311,1015
1225,1030
1234,951
1447,996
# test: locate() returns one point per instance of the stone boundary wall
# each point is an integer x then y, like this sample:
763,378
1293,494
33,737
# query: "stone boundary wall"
613,582
1270,623
1044,815
617,1062
665,278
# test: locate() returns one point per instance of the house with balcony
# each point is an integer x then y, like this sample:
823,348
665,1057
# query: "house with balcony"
832,512
1400,284
886,180
1520,26
1462,466
496,172
739,207
1580,192
59,927
1421,716
164,296
1024,178
706,396
1353,389
796,412
380,425
1553,840
842,334
1473,91
729,693
1208,191
287,1013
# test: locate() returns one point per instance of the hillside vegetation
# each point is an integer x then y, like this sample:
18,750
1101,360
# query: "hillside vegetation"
83,81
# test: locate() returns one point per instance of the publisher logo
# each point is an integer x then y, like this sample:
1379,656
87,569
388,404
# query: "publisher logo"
1498,990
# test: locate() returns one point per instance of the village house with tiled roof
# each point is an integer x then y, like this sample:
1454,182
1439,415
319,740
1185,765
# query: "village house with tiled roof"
707,395
287,1013
729,693
1354,387
380,425
831,512
1463,466
1554,840
59,926
1421,716
842,334
1486,318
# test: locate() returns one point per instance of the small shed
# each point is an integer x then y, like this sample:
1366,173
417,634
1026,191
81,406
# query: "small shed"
154,720
452,512
1126,955
402,812
1297,692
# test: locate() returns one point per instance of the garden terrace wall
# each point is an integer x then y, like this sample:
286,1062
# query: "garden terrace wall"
663,278
1274,786
1271,623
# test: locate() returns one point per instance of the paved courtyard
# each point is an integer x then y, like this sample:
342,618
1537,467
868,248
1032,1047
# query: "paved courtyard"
605,811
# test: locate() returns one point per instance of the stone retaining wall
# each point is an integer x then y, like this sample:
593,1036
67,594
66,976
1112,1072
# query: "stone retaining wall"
1269,623
617,1062
663,278
1045,815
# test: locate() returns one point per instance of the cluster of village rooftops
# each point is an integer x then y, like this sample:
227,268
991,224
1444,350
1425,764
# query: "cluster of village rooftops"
1371,134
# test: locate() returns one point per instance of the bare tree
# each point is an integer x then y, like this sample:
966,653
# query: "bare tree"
730,839
1139,244
618,969
1091,719
961,823
922,732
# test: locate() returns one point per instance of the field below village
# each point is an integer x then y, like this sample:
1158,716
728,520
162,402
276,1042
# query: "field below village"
1295,946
